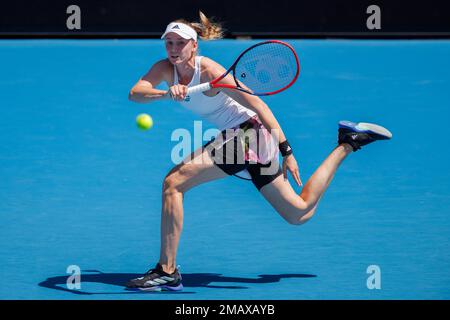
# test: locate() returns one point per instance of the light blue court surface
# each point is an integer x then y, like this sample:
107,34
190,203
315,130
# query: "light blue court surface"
81,185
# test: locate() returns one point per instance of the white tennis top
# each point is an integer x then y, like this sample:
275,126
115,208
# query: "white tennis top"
220,110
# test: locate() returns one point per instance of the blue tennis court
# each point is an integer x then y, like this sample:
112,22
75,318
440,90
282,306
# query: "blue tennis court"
81,185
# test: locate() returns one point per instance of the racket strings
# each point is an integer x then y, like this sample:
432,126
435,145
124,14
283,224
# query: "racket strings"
267,68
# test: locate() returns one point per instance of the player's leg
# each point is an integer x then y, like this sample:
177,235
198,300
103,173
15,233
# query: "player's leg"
298,209
199,168
177,182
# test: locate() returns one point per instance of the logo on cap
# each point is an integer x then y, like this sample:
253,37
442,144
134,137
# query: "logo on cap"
176,27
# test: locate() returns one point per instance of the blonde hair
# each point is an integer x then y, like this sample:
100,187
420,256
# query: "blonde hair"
206,29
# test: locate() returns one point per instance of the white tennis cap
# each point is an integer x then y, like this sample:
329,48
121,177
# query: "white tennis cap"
183,30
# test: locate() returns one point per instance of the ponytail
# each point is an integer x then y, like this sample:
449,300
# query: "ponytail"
206,29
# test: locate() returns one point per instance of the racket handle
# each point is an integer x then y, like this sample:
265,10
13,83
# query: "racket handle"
199,88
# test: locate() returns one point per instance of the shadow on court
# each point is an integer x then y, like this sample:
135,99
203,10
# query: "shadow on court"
190,280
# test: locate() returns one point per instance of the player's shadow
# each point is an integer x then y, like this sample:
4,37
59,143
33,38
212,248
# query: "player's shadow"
190,280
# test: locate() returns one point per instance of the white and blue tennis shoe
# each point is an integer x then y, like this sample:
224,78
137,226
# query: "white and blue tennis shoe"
361,133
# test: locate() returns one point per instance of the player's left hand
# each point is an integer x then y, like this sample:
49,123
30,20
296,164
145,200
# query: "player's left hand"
289,163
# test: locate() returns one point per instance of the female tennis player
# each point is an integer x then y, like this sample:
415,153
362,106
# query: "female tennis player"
229,109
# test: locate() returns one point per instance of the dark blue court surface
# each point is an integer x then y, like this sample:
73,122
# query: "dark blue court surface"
81,185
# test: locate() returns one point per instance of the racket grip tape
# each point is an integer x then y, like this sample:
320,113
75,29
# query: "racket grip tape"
199,88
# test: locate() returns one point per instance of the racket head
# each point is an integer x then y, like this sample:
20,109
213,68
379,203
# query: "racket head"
265,68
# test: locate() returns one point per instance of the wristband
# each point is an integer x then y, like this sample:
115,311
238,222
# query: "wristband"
285,148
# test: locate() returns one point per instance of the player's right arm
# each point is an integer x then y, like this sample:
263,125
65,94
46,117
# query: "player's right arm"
144,90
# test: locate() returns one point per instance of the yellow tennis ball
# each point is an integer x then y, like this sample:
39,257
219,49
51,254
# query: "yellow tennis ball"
144,121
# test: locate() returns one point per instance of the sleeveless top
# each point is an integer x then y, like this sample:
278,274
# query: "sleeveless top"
220,110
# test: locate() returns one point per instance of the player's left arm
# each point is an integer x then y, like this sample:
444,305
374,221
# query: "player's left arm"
213,70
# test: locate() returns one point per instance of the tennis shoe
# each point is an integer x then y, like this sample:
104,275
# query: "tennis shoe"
157,280
361,134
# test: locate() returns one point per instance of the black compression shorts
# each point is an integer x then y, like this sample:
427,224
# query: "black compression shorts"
229,156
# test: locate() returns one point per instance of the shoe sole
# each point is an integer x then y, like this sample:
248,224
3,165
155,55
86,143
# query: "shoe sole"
162,288
366,128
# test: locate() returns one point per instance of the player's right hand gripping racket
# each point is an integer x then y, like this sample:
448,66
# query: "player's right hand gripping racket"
265,68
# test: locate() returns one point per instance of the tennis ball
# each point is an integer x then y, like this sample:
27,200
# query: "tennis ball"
144,121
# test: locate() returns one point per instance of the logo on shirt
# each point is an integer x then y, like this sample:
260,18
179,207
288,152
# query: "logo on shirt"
187,98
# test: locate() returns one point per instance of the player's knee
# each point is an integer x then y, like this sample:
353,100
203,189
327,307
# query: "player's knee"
306,216
295,221
293,218
300,216
171,184
174,181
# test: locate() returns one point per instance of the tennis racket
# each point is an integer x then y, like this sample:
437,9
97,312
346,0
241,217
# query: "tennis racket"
265,68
